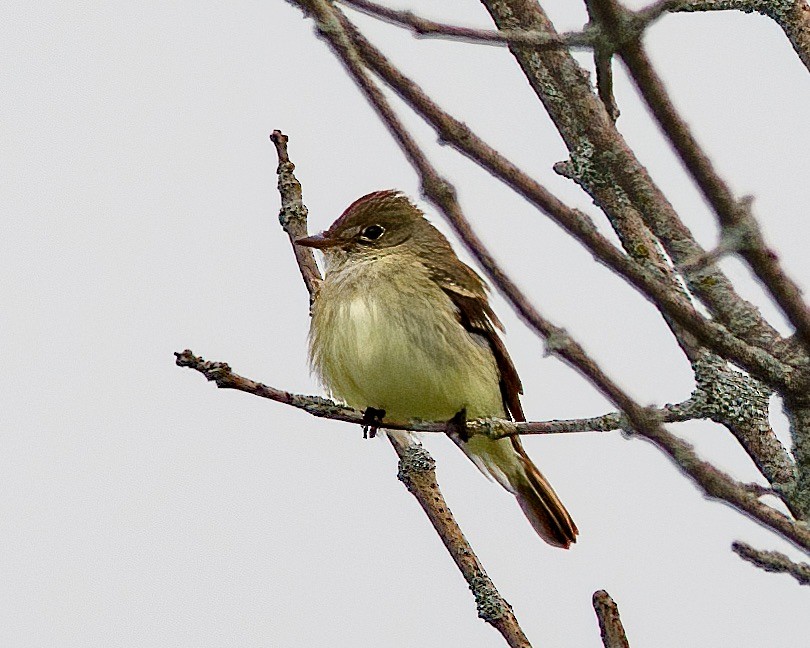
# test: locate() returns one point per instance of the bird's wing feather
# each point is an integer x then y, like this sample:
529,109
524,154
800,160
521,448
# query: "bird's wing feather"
476,315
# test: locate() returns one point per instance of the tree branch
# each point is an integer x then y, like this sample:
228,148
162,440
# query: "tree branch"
714,482
424,27
223,376
773,561
610,624
293,215
741,404
417,472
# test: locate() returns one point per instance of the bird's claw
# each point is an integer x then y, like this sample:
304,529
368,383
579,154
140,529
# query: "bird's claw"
372,420
457,426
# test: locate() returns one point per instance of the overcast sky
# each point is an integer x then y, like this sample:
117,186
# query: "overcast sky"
142,507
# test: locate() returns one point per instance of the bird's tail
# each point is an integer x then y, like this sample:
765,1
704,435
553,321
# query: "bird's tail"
506,461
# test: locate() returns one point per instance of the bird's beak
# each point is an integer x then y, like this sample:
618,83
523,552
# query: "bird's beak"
317,241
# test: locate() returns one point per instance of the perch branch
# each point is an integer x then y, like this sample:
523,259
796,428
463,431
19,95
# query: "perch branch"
223,376
713,481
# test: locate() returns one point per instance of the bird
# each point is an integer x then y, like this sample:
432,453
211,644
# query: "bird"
402,328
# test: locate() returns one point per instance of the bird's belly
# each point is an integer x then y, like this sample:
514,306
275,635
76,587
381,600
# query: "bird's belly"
412,363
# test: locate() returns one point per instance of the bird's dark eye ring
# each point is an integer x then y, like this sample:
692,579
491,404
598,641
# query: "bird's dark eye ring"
372,232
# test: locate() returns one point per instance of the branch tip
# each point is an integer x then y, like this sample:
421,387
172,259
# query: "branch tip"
772,561
610,623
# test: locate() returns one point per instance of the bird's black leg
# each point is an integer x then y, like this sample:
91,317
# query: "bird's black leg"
457,426
372,420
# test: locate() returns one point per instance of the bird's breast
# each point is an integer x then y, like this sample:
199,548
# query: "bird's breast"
397,345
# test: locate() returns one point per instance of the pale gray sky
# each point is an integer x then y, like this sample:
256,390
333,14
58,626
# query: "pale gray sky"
142,507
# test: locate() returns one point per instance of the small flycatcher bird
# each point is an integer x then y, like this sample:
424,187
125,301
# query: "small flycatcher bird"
401,324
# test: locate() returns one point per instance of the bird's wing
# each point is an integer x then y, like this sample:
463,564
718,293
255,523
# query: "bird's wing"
476,315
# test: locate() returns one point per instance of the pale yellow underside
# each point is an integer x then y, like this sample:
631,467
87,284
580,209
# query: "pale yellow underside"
381,340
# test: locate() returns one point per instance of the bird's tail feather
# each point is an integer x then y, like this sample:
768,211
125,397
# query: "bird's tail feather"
507,462
542,506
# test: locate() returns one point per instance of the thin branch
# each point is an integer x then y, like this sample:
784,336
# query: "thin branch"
604,82
773,561
714,482
424,27
610,624
417,472
603,62
224,377
657,9
293,215
715,336
734,215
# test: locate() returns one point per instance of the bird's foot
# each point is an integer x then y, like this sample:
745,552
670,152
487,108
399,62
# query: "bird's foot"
372,420
457,426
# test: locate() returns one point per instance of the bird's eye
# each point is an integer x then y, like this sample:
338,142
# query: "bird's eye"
372,232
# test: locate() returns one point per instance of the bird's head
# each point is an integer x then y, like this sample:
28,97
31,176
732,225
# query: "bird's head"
376,226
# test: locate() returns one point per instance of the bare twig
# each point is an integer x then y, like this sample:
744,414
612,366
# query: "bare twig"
424,27
604,82
714,482
759,490
417,472
293,214
773,561
610,624
603,62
